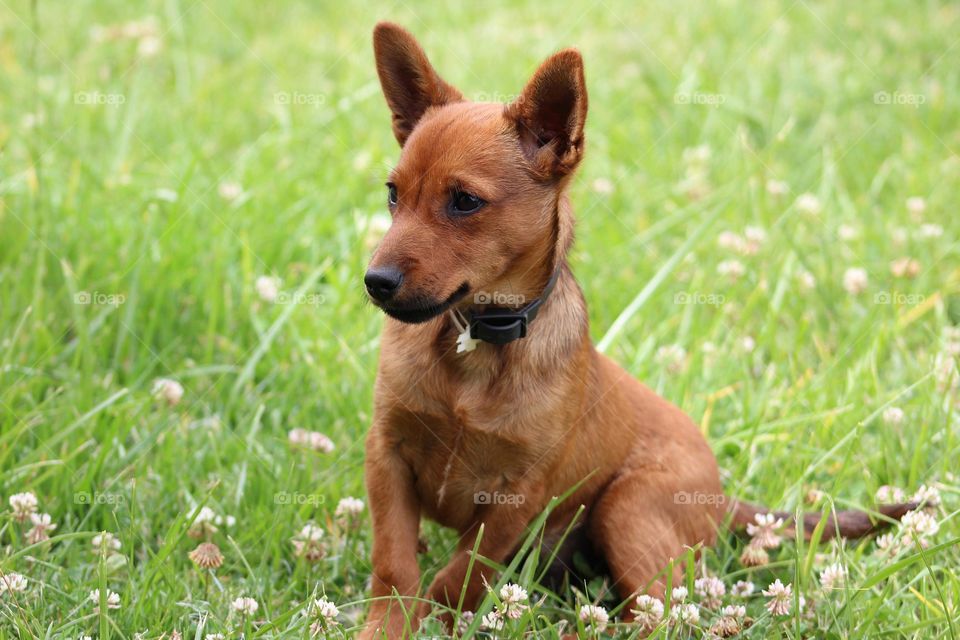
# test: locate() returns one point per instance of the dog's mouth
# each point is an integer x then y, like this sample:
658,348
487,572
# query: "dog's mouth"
419,312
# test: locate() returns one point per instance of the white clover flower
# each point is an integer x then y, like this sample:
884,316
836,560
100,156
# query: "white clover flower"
833,577
310,439
203,523
310,531
888,494
374,228
325,614
361,161
12,583
918,526
732,269
809,204
149,46
905,268
206,514
31,120
678,594
603,186
698,155
320,442
673,357
348,511
847,232
245,606
230,190
952,347
893,416
743,588
308,543
754,555
735,611
207,555
134,29
105,541
777,187
349,506
730,622
764,532
780,598
299,437
23,505
885,541
113,599
166,194
731,241
855,280
326,609
268,288
945,371
594,617
42,525
929,231
916,205
647,611
492,621
755,234
512,599
225,521
927,496
168,390
710,590
807,281
466,619
688,614
754,238
888,545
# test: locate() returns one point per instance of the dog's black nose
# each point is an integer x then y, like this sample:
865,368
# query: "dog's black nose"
382,282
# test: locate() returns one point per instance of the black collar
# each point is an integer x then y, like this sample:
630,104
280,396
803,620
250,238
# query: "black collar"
498,325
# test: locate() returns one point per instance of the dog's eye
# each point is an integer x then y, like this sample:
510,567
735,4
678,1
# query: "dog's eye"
391,194
463,203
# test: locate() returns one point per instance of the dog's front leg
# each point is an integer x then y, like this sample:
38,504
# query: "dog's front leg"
395,511
503,526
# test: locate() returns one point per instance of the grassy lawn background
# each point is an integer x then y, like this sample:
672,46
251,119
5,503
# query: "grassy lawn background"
157,158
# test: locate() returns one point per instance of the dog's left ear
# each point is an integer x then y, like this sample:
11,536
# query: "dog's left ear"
550,115
410,84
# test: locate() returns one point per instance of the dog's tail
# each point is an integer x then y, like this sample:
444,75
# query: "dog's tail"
845,524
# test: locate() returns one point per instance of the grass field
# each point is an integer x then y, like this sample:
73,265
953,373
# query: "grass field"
767,236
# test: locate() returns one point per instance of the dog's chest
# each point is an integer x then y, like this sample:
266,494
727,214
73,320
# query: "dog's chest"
472,432
459,468
465,449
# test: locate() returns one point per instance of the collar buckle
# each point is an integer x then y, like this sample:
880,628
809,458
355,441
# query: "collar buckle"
498,325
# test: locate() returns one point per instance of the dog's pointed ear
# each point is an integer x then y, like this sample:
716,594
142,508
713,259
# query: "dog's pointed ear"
550,114
410,84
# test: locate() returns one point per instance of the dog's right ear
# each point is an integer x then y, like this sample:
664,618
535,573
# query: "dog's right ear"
550,115
410,84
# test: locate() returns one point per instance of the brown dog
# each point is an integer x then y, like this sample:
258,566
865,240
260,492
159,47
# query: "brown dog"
489,435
